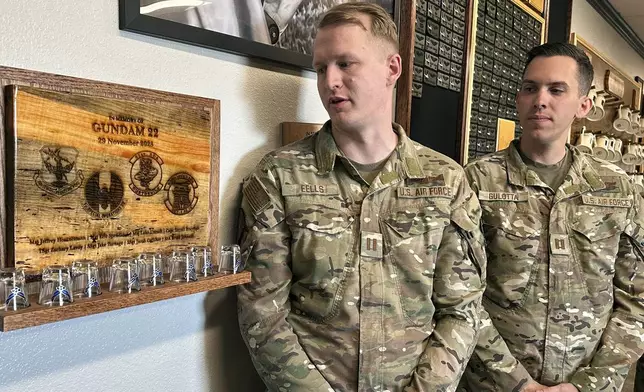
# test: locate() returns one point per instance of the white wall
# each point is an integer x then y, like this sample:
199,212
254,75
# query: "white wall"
186,344
595,30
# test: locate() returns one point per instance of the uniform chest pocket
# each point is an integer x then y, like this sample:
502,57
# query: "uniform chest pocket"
595,235
412,237
513,241
321,239
422,225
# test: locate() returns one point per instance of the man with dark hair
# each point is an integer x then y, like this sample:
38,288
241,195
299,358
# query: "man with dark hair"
564,235
365,251
585,71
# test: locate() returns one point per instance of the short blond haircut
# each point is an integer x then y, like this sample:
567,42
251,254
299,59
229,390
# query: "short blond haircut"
382,26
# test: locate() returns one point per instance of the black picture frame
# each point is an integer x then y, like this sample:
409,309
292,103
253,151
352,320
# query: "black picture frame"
131,19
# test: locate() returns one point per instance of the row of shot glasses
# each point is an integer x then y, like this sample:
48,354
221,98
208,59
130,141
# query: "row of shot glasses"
60,284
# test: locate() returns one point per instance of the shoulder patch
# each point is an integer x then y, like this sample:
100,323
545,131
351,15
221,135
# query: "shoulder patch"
256,195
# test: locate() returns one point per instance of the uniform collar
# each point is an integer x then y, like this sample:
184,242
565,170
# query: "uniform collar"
580,178
327,151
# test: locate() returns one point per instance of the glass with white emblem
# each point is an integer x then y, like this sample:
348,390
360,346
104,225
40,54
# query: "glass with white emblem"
124,277
203,261
230,259
151,268
86,280
56,286
182,265
12,289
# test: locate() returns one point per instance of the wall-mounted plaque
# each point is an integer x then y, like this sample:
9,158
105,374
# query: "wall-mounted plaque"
294,131
98,177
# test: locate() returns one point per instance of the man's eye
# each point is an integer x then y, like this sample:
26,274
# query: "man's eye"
343,64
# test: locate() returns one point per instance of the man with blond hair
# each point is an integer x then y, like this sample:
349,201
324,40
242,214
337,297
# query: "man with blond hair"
366,258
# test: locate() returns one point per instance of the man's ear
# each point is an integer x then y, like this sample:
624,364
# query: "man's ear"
394,66
584,107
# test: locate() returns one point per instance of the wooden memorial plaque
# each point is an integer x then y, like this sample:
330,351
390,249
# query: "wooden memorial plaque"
92,176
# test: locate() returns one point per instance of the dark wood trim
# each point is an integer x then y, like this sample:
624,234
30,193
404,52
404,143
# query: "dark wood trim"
641,83
610,14
546,19
406,38
7,157
465,109
559,17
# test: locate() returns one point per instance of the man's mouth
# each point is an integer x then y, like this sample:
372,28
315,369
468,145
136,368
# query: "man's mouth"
337,100
539,117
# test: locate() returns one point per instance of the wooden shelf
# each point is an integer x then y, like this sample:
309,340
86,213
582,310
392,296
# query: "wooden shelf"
38,315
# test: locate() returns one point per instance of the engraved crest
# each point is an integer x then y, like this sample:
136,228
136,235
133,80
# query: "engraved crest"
146,173
59,175
181,196
104,195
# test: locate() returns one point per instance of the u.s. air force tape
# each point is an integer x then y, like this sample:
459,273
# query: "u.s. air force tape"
425,191
606,201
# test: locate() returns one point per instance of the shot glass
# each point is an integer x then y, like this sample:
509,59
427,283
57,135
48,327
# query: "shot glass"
124,276
203,261
151,267
12,289
56,287
230,259
182,266
86,278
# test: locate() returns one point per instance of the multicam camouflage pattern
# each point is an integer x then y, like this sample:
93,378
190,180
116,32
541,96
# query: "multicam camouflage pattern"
565,285
357,287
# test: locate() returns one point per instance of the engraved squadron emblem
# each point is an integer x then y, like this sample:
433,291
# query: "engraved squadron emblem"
181,196
146,173
59,175
104,195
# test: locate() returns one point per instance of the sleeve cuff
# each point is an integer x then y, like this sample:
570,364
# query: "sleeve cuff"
514,379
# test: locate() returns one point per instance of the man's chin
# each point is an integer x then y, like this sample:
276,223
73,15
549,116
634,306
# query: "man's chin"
541,135
343,121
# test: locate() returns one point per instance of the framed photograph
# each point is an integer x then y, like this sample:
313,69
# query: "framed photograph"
275,30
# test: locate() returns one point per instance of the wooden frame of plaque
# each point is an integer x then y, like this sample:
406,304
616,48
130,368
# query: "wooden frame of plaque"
96,170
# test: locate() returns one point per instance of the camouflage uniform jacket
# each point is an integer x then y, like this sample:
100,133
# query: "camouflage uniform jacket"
357,287
565,275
